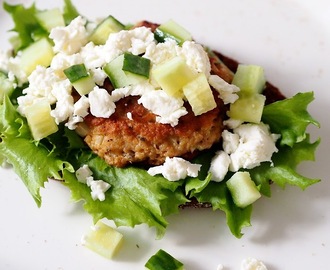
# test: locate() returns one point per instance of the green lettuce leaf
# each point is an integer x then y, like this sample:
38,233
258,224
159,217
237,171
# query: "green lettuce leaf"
33,163
26,24
135,197
290,118
69,11
283,171
219,196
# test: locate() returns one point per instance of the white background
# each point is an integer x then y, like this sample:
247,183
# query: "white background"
291,40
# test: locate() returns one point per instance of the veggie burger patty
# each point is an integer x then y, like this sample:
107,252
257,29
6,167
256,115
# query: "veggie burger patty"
120,140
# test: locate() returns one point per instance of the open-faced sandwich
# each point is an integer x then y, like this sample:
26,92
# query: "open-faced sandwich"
140,120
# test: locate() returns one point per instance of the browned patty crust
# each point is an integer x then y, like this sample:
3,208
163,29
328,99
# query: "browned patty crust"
121,141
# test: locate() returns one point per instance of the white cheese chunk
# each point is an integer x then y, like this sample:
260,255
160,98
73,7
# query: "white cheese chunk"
98,75
98,189
131,90
80,110
227,92
219,166
175,169
232,123
230,141
41,84
81,106
196,57
161,52
135,41
69,39
82,173
252,264
168,109
63,61
64,104
129,116
93,56
101,103
256,145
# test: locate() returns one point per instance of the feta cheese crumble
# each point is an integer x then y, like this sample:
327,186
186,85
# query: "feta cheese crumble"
196,57
175,169
256,145
168,109
80,110
244,148
227,92
69,39
252,264
65,103
219,166
161,52
98,187
83,173
101,103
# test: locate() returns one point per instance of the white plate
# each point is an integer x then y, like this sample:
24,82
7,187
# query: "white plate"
291,39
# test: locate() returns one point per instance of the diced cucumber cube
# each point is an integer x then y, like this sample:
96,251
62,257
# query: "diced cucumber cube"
6,86
248,108
250,79
243,189
102,31
172,75
172,30
50,18
41,123
136,64
199,95
103,239
163,261
119,77
38,53
79,77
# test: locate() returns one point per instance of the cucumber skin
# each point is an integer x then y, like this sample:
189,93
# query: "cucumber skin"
163,261
102,31
136,64
172,30
120,78
76,72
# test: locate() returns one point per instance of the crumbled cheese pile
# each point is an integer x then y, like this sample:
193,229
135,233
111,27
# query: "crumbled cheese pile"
252,264
175,169
72,47
248,264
